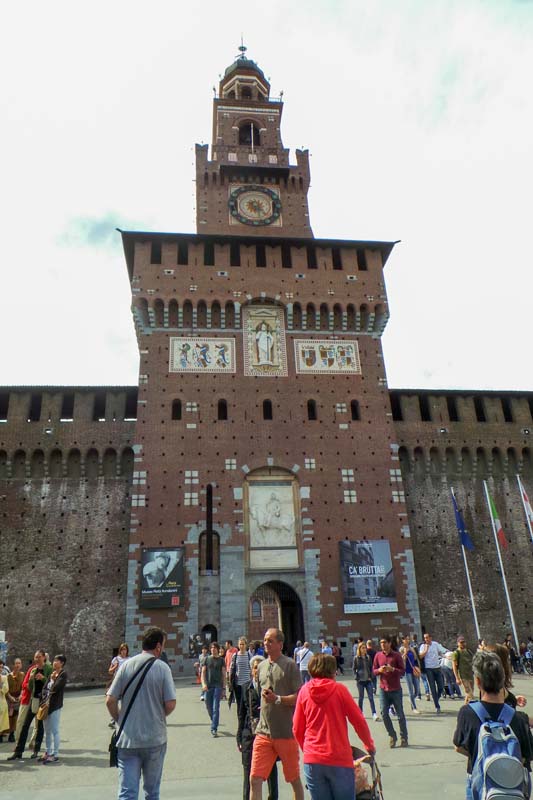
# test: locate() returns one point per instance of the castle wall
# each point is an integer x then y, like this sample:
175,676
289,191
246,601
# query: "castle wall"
486,438
64,520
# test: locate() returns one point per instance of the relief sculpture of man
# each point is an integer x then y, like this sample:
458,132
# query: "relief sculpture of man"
273,527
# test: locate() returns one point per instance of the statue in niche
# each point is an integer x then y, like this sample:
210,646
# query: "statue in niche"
272,527
264,341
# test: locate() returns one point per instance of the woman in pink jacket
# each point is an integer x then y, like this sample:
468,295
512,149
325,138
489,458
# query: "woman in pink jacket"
320,727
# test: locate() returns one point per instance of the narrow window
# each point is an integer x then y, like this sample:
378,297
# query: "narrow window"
453,416
530,404
260,255
155,253
396,407
507,409
222,410
209,254
183,253
479,409
130,412
235,254
267,409
354,408
67,408
425,411
361,260
336,257
99,407
311,258
4,406
256,609
176,409
286,256
34,414
311,411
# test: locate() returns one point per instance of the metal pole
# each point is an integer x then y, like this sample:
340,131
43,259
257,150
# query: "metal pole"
513,625
528,520
476,623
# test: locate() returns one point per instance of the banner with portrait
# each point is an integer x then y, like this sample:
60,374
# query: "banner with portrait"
162,577
367,577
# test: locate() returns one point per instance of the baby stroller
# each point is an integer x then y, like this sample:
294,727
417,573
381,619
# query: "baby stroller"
375,790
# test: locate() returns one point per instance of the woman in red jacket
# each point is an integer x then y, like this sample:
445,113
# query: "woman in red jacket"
320,727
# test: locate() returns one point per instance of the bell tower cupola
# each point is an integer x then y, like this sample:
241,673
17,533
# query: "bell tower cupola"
248,185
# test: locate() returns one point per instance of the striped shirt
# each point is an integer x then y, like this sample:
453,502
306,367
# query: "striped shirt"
242,666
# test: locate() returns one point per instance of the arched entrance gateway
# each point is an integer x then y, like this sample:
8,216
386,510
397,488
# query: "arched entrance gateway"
276,605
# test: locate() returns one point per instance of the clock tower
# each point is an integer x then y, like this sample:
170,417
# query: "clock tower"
248,184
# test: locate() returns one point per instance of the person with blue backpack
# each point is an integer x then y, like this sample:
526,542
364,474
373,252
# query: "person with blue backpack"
494,737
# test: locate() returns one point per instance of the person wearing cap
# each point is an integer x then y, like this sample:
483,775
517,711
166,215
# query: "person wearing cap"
462,668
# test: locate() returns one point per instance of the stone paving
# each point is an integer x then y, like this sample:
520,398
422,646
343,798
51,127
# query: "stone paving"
200,767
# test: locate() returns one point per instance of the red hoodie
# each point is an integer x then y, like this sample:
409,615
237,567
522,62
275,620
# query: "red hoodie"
319,723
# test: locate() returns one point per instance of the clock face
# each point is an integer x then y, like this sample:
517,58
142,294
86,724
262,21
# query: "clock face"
254,205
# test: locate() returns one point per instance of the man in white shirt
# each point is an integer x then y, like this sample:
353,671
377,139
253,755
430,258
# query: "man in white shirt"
305,655
142,742
431,652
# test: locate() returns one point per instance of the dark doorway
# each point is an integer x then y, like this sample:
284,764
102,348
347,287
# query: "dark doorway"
280,607
209,634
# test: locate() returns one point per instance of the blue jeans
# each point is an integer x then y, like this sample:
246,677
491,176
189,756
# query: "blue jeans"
413,685
436,684
330,783
368,685
134,761
393,699
51,731
305,676
212,703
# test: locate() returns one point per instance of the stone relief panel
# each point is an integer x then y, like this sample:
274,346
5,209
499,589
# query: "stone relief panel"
272,523
265,352
197,354
335,356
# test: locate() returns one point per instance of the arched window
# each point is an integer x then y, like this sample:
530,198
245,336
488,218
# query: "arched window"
267,409
311,410
249,134
337,317
19,464
3,464
256,609
74,464
176,409
246,93
297,316
91,464
201,319
37,464
173,314
350,317
110,463
55,464
310,317
230,315
159,313
126,462
354,408
324,317
222,412
187,314
215,314
142,311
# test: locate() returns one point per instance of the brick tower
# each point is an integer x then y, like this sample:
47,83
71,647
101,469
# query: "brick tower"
267,487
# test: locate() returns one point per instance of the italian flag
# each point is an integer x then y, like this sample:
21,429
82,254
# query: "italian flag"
527,504
497,524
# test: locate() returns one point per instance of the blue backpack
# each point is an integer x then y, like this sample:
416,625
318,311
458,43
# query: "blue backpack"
498,772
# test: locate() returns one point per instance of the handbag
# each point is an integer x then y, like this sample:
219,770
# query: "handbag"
113,749
42,712
416,672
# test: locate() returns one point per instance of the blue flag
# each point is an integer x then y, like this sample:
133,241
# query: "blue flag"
466,541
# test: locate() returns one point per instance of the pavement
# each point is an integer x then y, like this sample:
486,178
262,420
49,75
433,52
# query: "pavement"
201,768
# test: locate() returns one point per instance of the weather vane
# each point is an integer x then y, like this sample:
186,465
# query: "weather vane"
242,48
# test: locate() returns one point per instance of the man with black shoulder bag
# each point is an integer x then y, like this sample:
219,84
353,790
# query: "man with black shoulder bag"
145,688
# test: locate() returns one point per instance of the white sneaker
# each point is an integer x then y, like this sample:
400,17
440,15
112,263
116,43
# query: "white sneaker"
375,717
416,711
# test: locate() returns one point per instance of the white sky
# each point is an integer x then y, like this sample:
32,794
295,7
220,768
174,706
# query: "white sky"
419,118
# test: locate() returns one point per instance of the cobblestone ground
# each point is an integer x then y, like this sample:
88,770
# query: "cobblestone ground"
200,767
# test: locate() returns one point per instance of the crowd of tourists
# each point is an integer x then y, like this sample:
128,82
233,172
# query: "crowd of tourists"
286,704
30,706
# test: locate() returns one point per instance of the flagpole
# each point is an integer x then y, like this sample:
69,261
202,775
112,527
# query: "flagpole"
476,623
513,625
528,520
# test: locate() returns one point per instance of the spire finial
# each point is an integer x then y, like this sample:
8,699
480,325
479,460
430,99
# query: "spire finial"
242,48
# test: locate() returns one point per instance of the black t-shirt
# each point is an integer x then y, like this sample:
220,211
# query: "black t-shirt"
468,725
